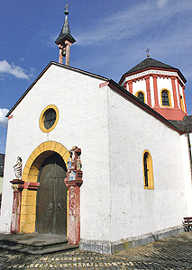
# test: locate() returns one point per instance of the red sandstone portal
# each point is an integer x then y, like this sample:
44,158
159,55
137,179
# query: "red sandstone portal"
73,182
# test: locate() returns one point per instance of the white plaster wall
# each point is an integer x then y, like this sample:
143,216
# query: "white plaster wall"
187,172
135,210
152,92
180,90
83,122
178,94
140,86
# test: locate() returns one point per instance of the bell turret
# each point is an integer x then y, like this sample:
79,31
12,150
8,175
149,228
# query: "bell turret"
65,40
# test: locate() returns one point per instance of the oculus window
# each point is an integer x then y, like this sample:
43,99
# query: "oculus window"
49,118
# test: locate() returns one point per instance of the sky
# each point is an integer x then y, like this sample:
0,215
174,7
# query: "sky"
112,37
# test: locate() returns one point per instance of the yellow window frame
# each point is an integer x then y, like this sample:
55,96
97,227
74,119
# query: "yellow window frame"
42,117
140,91
149,171
169,97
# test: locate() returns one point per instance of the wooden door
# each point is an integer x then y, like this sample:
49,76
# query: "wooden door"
52,197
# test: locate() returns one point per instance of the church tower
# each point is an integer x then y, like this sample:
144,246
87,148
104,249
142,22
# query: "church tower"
158,85
65,40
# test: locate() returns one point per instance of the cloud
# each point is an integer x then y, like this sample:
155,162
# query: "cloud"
133,21
3,118
16,71
161,3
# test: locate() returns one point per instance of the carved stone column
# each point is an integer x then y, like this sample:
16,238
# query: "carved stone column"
73,182
17,186
74,211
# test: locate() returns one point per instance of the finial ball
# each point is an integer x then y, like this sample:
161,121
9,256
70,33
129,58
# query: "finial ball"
66,9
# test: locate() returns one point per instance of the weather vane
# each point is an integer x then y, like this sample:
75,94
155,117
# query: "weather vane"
147,51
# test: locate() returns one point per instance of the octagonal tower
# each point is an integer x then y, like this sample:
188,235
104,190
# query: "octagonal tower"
158,85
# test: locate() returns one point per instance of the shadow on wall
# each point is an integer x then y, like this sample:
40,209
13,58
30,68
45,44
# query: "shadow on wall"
2,159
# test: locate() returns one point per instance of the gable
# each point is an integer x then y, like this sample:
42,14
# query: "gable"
89,74
55,74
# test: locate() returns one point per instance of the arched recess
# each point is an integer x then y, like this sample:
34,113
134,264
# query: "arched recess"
30,174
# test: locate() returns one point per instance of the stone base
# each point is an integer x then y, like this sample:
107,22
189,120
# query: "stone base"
35,243
107,247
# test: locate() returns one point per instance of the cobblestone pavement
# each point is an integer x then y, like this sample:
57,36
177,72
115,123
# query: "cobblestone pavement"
170,253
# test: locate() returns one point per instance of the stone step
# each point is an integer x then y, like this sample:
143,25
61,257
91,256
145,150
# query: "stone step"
45,250
35,243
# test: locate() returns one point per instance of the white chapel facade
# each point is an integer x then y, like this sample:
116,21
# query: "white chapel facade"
133,142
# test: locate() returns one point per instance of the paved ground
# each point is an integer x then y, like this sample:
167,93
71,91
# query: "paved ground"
170,253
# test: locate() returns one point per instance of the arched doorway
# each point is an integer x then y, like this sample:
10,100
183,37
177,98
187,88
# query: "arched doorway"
31,173
51,211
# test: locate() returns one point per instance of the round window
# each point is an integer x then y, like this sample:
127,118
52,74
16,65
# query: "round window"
49,118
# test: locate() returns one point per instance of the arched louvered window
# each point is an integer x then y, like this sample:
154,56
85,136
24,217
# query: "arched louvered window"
148,171
140,96
165,98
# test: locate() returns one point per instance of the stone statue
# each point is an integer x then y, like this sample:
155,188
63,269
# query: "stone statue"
74,164
18,168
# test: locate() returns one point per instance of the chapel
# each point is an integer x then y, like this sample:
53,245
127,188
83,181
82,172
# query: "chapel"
102,163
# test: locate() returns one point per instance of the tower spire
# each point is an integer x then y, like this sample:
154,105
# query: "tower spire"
66,28
65,39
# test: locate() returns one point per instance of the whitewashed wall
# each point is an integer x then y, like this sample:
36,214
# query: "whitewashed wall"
135,210
83,122
152,92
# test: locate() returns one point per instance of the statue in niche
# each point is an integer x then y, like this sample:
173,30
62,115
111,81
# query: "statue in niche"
18,168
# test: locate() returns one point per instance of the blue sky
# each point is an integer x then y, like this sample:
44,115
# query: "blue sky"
112,37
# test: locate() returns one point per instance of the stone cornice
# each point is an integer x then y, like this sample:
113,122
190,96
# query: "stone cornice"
160,73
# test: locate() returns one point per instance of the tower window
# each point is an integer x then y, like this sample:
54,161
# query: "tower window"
140,96
182,104
165,98
148,171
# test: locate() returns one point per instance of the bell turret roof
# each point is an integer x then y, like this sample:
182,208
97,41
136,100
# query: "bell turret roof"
65,33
